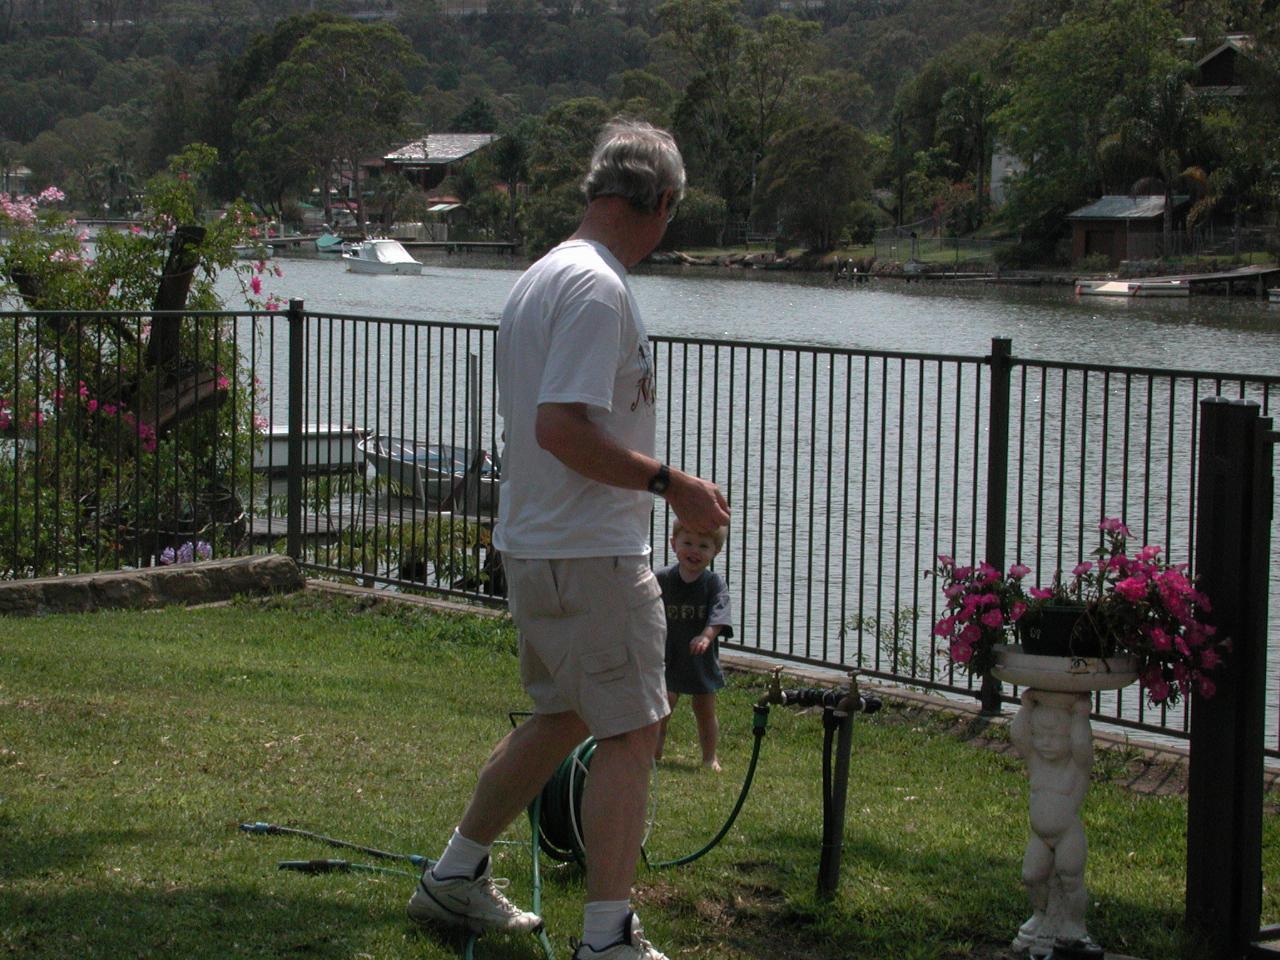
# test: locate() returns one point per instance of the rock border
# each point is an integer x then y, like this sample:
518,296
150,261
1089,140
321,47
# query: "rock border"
205,581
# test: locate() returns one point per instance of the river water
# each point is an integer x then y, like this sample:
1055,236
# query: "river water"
1240,335
838,540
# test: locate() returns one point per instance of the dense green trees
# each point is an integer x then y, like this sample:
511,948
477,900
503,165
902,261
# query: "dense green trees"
1089,96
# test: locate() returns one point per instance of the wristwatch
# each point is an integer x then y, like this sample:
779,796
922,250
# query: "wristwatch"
659,482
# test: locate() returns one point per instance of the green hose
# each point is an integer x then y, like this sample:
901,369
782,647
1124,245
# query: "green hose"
758,725
560,803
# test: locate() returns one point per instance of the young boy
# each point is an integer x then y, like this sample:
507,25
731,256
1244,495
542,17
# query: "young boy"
698,613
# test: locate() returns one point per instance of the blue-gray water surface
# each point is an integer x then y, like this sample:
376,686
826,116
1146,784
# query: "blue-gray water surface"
1237,335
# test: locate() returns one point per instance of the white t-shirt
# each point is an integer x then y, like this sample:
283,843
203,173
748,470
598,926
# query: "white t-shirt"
571,333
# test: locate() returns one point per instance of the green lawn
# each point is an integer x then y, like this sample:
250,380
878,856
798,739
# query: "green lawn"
132,744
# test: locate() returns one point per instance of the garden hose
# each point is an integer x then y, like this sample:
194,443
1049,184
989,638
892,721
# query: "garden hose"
423,863
259,827
759,724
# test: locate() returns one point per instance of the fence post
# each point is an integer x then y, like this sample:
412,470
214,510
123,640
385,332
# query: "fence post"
297,353
997,483
1224,809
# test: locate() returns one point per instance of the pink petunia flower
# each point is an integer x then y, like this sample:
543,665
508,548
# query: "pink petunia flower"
1132,589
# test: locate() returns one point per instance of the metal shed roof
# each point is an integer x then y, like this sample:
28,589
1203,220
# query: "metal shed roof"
437,148
1124,207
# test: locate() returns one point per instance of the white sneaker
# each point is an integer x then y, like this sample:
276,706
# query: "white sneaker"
476,903
632,946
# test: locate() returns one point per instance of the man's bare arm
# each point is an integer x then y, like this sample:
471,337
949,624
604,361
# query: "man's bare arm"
567,432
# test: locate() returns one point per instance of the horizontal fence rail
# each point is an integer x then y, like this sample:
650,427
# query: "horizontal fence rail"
848,471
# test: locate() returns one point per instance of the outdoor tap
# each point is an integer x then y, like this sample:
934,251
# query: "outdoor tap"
854,702
774,693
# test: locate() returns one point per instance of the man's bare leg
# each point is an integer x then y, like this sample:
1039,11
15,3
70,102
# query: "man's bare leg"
613,811
518,769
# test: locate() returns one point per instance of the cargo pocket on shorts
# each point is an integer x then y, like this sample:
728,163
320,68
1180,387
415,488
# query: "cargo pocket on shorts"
606,666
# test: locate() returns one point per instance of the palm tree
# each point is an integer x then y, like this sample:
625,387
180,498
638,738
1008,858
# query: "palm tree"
1164,123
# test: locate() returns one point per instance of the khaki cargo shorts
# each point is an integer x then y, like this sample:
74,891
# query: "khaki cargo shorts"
592,639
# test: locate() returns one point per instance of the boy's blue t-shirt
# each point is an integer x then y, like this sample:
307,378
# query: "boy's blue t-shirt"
690,608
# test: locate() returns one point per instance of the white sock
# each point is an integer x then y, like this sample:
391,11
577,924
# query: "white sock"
461,858
603,922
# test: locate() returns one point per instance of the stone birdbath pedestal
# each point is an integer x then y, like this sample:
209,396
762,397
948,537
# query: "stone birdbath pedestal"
1052,733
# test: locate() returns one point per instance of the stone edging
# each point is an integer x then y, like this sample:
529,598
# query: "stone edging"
205,581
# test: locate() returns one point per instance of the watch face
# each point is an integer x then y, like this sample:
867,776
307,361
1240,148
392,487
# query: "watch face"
660,481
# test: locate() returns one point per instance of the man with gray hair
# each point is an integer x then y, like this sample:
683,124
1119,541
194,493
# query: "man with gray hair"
577,400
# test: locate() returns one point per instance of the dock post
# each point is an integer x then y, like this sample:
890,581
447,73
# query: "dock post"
297,354
997,483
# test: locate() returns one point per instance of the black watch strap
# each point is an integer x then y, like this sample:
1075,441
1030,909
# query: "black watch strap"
659,482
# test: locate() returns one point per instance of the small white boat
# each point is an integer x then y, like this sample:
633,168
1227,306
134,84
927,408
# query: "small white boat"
1132,288
380,255
329,244
326,448
255,251
440,476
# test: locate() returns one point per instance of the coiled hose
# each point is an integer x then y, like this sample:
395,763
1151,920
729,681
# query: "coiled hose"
560,833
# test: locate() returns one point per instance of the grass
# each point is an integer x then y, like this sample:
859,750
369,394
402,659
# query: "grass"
131,745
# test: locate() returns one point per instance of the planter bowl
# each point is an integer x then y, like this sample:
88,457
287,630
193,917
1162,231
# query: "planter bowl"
1063,674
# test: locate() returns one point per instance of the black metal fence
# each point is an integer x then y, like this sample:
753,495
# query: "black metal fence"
848,471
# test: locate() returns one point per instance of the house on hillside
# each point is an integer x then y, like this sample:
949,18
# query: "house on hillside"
428,160
1220,72
1121,227
15,179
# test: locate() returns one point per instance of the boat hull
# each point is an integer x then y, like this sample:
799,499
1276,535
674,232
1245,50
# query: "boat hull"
1132,288
434,475
326,448
357,265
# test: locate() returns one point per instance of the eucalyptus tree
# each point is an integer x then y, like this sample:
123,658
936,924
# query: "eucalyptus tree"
341,95
814,177
965,121
740,86
559,151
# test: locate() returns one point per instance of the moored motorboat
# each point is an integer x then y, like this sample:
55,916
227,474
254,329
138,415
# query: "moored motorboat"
329,243
380,255
1132,288
440,476
326,448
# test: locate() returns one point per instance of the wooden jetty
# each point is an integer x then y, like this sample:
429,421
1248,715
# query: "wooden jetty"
1253,279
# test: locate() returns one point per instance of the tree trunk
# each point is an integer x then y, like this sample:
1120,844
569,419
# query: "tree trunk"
175,284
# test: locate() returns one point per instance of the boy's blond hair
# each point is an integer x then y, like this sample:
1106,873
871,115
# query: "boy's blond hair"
717,535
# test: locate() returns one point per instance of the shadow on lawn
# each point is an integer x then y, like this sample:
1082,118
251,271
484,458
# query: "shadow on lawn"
27,856
96,919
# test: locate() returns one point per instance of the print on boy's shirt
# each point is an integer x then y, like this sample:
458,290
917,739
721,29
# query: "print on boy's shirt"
687,611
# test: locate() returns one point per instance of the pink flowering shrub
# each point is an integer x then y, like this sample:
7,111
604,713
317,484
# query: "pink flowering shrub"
104,452
1136,604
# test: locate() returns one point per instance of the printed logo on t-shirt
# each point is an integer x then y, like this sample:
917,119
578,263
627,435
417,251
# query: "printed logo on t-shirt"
687,611
646,385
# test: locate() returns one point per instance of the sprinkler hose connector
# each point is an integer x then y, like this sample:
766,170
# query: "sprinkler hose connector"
259,827
315,866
